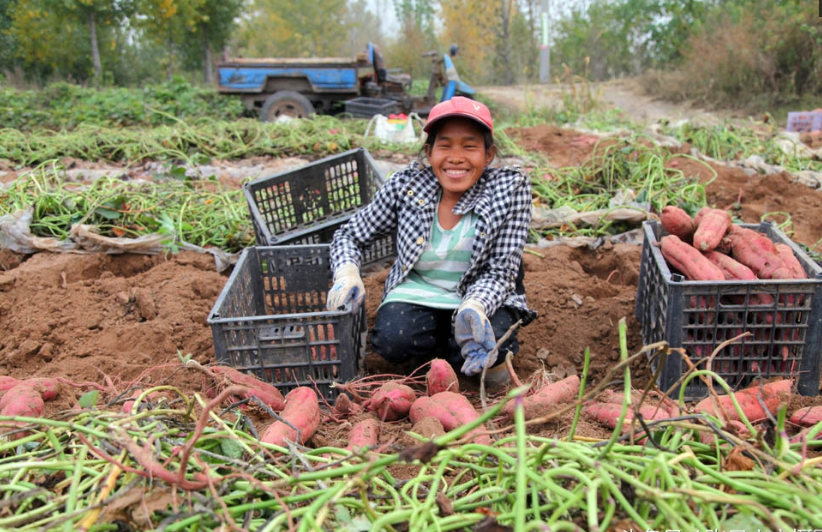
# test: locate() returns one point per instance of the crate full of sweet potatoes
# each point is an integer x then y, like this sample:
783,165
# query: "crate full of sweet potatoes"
742,300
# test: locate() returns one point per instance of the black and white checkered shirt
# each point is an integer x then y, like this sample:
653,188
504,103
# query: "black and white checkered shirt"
407,203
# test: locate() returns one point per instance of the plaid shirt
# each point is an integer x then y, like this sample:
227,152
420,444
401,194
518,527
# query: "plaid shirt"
407,203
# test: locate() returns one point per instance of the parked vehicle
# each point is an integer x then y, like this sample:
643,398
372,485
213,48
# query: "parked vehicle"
299,87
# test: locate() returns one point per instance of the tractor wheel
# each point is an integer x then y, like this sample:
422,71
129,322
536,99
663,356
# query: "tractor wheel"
287,103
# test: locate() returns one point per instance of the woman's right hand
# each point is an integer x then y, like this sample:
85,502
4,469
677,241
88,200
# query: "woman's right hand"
348,287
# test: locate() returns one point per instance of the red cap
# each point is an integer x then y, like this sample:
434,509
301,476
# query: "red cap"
460,106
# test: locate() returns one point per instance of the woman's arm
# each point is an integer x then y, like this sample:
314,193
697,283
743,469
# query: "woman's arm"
496,279
377,218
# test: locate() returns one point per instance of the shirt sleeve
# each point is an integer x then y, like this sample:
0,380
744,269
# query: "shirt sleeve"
377,218
497,276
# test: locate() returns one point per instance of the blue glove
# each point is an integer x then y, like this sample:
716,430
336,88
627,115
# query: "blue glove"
475,336
348,287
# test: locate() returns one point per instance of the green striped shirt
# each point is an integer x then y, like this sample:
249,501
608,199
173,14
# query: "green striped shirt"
445,258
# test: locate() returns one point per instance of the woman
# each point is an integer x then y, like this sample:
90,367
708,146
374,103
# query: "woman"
461,226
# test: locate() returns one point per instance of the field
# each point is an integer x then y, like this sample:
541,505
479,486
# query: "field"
107,325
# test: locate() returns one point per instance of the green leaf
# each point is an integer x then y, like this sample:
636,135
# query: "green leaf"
743,521
108,214
89,399
231,448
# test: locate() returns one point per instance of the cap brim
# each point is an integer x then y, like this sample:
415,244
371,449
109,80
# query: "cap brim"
428,125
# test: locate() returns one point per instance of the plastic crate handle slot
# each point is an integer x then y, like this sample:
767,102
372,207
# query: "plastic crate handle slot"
274,333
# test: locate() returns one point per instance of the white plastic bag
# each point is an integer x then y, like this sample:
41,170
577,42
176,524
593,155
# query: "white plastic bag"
393,129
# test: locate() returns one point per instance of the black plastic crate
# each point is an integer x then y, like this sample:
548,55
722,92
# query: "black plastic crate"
368,107
700,315
271,321
306,205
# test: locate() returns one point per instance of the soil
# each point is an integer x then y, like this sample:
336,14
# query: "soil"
113,321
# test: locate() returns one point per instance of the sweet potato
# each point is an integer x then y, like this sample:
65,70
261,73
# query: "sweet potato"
757,252
698,218
441,378
748,399
785,253
688,260
48,388
267,393
451,409
677,222
712,227
22,400
365,433
808,416
608,413
343,405
7,383
548,397
732,269
302,409
391,401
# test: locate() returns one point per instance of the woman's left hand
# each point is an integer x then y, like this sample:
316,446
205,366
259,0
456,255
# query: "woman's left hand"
475,336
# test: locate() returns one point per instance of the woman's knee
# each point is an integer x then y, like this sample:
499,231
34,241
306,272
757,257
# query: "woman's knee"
402,332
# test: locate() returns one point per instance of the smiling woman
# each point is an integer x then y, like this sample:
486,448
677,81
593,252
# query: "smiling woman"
460,226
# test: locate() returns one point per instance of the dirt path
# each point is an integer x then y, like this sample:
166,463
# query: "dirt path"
625,94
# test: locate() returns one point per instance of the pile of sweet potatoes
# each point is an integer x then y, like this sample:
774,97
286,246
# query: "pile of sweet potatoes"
25,398
709,247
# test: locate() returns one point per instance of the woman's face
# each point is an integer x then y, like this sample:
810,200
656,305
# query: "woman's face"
458,155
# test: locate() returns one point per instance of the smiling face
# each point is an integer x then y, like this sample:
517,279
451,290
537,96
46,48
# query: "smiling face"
458,155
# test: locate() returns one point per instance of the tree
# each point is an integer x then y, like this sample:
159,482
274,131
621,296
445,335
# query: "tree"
7,41
214,24
293,28
170,21
93,13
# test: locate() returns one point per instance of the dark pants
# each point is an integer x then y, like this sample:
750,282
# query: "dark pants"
405,332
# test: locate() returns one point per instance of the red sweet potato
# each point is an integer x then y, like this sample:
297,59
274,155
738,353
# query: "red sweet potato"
808,416
688,260
22,400
608,413
785,253
343,405
267,393
302,409
548,397
441,378
732,269
48,388
365,433
757,252
391,401
451,409
698,218
712,227
7,383
748,399
677,222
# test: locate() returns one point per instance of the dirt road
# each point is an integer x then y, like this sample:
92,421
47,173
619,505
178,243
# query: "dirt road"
625,94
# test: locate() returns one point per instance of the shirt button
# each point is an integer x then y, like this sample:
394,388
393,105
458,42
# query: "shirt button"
404,268
482,235
420,240
421,201
410,192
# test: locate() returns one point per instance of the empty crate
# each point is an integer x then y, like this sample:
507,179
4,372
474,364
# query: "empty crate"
271,321
306,205
700,315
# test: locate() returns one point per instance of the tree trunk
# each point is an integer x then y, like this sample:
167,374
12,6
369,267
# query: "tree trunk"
95,50
170,56
506,41
208,62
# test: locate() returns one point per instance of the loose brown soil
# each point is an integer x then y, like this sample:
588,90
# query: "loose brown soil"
116,320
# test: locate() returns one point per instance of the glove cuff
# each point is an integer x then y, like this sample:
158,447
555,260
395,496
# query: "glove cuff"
473,304
346,270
